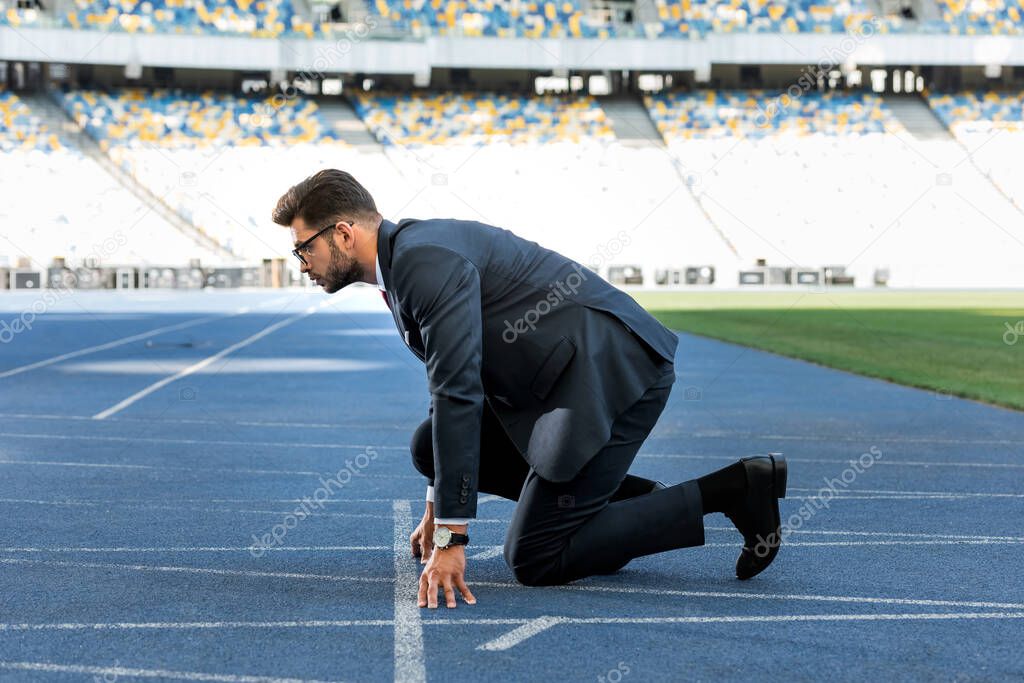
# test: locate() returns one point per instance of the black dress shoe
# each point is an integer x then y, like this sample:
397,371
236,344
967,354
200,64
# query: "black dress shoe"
756,515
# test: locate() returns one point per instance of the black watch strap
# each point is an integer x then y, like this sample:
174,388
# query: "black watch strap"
453,538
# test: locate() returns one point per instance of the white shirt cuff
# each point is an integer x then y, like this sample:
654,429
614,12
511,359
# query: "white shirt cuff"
430,493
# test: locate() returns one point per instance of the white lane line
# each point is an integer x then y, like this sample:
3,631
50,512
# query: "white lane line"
843,544
335,446
376,623
488,553
901,534
483,498
826,461
194,549
135,337
192,625
541,624
196,570
410,666
393,476
182,420
236,511
329,425
195,367
117,671
196,442
796,617
872,438
766,596
407,577
870,497
95,502
520,633
967,494
211,470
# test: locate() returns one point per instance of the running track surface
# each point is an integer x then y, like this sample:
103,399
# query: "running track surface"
149,437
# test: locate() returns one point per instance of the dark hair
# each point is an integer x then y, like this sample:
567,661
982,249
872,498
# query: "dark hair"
328,194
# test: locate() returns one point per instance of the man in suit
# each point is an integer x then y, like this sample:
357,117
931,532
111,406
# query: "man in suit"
545,380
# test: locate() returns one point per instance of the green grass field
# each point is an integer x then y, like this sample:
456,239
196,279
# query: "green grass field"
945,341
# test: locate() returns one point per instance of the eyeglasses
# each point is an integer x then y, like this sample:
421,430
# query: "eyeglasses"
304,247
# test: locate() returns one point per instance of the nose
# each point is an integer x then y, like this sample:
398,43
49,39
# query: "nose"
304,267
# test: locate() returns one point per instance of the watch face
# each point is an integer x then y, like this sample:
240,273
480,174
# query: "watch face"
442,536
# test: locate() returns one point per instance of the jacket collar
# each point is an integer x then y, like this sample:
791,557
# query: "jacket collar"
386,234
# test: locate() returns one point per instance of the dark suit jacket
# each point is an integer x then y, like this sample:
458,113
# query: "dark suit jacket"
555,351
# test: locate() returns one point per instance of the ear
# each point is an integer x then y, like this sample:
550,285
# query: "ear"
345,233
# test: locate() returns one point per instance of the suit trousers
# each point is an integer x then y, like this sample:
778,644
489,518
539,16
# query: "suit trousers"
594,523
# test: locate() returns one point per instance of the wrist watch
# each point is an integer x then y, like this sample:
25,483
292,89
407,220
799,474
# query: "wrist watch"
445,537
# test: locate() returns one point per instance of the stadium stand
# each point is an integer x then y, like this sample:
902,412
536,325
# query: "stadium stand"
978,17
69,207
175,118
857,187
207,154
549,168
481,118
688,18
534,19
20,129
977,118
736,176
758,113
259,18
502,18
13,15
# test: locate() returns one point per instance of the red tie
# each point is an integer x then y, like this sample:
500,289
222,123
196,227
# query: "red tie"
385,295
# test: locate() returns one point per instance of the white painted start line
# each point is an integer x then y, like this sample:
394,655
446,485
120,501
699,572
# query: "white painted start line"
410,663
